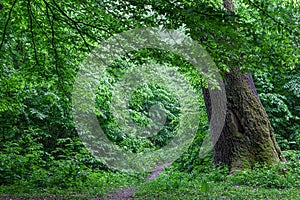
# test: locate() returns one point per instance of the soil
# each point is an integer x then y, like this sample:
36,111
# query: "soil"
128,192
124,193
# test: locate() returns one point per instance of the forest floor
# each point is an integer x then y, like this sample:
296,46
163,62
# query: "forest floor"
204,182
128,192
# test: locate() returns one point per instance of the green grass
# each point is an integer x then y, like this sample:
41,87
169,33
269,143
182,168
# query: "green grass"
219,191
280,181
96,184
214,185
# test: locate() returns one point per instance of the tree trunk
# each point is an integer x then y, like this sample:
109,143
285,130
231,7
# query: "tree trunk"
247,136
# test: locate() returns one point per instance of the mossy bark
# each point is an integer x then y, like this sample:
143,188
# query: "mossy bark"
247,137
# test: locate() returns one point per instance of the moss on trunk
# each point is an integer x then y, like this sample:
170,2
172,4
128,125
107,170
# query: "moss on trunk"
247,137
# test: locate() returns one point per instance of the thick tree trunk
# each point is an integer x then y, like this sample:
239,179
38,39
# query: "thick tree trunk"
247,136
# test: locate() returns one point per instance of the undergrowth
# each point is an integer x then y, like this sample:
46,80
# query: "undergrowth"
204,181
262,182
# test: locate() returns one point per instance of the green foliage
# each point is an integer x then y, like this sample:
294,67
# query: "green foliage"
271,182
27,169
281,177
41,47
16,162
86,184
190,160
280,97
141,101
26,160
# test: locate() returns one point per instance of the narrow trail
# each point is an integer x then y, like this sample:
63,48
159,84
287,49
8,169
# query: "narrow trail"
128,192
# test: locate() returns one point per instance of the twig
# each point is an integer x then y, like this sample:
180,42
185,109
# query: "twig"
51,22
31,31
6,24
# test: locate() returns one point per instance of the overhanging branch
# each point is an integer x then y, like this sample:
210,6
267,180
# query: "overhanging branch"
6,24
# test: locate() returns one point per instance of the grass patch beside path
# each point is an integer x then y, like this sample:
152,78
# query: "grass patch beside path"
280,181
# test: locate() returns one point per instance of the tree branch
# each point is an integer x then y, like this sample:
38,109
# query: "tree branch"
51,22
6,24
31,31
74,22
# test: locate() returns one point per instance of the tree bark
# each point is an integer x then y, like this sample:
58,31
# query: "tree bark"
247,137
